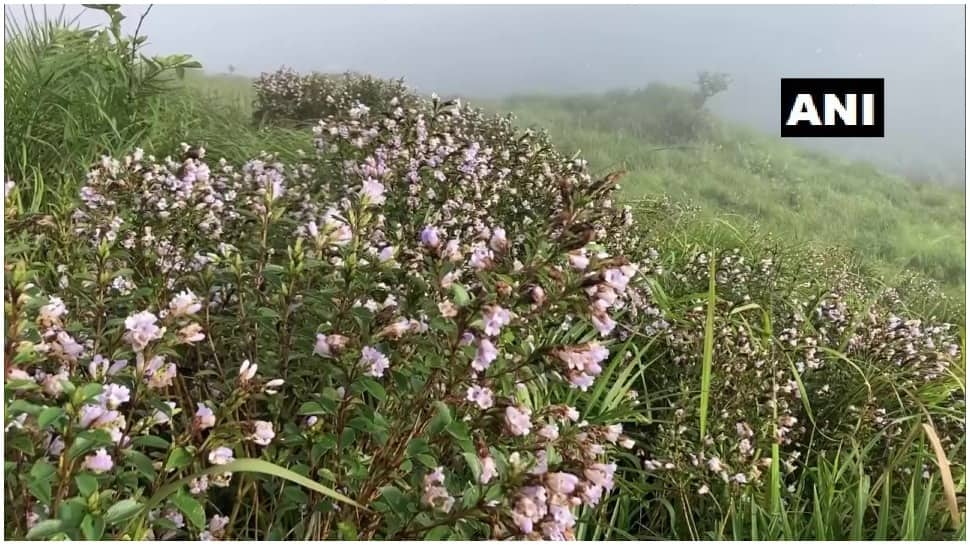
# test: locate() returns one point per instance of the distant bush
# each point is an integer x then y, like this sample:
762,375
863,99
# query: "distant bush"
286,96
710,84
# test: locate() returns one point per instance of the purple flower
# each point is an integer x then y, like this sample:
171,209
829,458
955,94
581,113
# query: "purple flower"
498,241
247,371
581,381
562,483
549,431
92,415
578,260
190,334
329,345
114,395
489,471
199,485
603,323
386,254
216,528
220,456
158,374
485,355
591,495
601,475
518,420
204,418
51,312
435,494
99,462
480,396
185,303
71,349
262,433
142,330
372,192
495,318
376,362
481,258
429,237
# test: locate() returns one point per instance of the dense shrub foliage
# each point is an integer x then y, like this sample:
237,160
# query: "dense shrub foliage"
431,324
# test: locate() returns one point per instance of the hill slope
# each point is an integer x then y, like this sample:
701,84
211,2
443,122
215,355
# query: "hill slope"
668,146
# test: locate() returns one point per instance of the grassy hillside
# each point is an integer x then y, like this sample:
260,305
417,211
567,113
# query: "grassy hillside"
792,192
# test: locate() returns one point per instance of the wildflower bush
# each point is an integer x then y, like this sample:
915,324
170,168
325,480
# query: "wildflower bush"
401,328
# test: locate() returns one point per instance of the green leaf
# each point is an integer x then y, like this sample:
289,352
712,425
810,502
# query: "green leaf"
347,531
418,445
45,529
151,441
48,416
317,407
374,388
178,459
459,430
438,533
396,500
473,463
190,507
441,419
122,511
251,465
42,470
92,528
88,441
19,406
427,460
348,437
708,357
87,484
86,392
460,295
72,511
321,446
41,479
15,385
142,463
265,312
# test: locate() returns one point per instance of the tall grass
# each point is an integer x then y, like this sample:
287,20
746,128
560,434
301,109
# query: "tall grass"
73,94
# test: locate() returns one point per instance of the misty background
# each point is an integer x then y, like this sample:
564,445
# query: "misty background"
494,51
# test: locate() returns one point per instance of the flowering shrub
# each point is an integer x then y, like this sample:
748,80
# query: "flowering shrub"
402,327
285,95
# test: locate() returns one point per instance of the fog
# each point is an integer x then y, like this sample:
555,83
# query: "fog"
492,51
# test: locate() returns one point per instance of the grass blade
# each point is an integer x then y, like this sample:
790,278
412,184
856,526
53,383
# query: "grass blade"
708,345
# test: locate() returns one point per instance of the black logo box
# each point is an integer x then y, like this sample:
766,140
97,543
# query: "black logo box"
817,88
